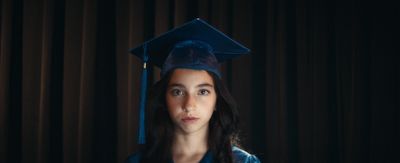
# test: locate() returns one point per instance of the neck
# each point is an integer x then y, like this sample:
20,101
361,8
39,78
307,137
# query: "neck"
189,144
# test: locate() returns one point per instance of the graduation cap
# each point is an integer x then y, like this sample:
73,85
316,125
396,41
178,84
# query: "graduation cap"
193,45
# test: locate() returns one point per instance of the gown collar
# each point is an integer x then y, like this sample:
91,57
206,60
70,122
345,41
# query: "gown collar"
207,158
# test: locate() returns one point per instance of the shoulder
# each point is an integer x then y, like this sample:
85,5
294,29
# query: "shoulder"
134,158
242,156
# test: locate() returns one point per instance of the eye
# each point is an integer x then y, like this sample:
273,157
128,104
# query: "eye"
177,92
204,92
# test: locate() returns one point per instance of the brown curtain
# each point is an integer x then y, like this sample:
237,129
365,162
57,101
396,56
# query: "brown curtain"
321,84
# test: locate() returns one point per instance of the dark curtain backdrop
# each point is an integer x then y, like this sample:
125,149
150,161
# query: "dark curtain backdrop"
321,84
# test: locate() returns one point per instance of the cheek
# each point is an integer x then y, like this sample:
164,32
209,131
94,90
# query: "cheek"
173,105
209,105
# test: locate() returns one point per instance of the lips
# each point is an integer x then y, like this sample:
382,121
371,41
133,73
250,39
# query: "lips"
189,119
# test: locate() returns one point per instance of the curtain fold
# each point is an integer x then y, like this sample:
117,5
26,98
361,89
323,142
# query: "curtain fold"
5,62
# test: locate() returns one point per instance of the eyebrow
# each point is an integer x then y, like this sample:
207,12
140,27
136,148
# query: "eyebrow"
198,86
205,85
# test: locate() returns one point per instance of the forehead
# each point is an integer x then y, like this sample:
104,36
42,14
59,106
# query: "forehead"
190,76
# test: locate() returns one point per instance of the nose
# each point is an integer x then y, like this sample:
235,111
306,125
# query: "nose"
190,103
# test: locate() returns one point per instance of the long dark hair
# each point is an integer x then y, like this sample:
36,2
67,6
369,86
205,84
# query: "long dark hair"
223,126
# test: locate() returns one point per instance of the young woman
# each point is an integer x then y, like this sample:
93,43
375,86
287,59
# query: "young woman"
193,116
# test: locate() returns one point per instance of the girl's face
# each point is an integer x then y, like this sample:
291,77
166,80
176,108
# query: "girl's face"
191,100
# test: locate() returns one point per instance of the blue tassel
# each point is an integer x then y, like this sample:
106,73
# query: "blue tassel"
143,89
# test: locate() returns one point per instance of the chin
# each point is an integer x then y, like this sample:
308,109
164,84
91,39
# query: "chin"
192,129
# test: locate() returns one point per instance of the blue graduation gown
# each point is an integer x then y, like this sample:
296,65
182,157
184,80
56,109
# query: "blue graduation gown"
239,156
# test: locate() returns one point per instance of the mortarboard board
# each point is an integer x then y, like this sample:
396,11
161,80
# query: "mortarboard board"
194,45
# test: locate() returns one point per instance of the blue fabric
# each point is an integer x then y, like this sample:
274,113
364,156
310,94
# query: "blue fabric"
143,89
223,47
239,156
191,54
